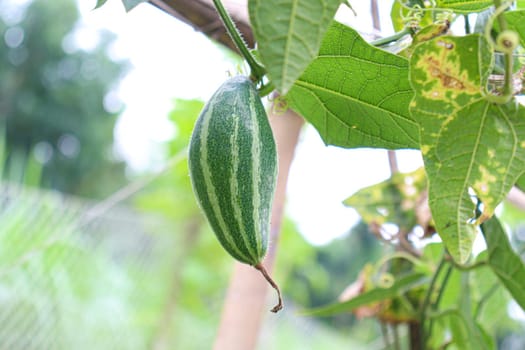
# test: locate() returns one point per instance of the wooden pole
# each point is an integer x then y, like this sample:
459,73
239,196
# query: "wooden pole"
246,303
202,16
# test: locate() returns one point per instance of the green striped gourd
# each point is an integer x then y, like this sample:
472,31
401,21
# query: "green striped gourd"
233,169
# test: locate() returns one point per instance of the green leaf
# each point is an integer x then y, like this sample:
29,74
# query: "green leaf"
130,4
392,200
464,5
468,144
399,287
356,95
466,334
520,4
100,3
521,183
289,34
505,263
516,21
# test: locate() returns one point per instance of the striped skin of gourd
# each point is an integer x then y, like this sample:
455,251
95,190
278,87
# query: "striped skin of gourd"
233,169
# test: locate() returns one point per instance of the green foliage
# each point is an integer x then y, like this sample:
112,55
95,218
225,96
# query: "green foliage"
131,4
52,100
464,5
391,201
346,105
56,268
449,81
505,263
453,98
289,35
128,4
396,289
514,21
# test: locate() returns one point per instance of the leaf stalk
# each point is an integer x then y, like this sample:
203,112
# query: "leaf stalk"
392,38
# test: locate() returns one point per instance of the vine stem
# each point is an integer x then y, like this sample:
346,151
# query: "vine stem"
279,305
257,71
392,38
440,295
426,301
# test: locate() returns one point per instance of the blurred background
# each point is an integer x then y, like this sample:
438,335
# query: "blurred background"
101,243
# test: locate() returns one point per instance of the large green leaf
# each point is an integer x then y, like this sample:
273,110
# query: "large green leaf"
400,286
289,34
468,144
505,263
465,5
356,95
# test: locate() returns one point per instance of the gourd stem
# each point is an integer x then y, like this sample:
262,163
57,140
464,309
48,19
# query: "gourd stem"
257,71
279,305
265,89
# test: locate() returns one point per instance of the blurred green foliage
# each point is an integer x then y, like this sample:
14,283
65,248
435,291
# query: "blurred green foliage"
54,100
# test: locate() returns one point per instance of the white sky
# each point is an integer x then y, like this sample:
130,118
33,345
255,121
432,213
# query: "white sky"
170,60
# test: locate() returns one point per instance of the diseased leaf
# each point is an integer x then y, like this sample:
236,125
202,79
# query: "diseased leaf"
465,5
356,95
400,286
505,263
469,145
130,4
289,34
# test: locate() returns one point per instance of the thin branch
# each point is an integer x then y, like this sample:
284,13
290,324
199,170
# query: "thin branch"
129,190
426,301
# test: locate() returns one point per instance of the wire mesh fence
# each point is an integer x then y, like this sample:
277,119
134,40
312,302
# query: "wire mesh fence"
68,281
82,275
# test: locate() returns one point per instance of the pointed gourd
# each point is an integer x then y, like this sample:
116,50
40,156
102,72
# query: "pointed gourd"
233,170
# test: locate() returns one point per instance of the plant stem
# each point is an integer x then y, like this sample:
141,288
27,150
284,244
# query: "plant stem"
484,299
392,38
279,305
384,333
266,89
440,295
395,332
470,267
467,24
426,301
257,71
